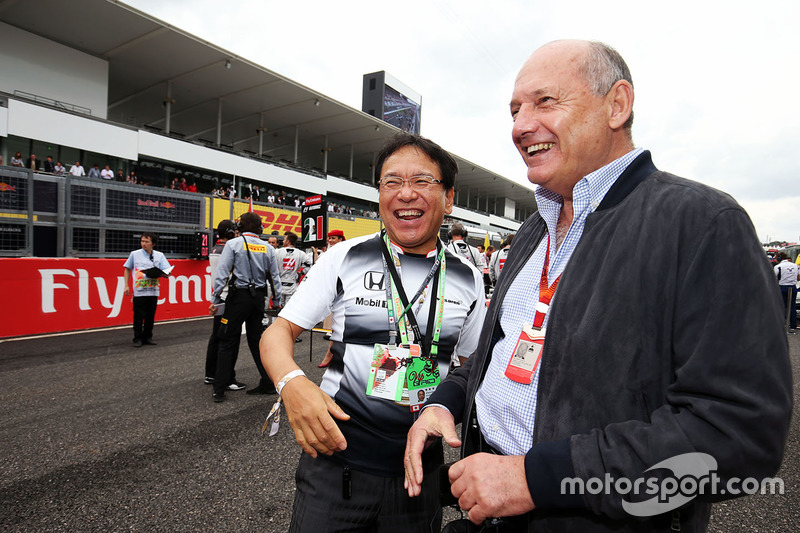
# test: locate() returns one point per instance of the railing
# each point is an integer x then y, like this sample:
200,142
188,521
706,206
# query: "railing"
58,104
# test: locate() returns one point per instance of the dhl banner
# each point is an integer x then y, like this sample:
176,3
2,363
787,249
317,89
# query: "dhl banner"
52,295
283,220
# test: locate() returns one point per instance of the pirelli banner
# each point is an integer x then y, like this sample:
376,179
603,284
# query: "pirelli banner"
52,295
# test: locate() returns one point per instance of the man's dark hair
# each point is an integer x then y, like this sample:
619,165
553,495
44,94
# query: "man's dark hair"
250,222
152,236
509,240
291,238
225,228
447,165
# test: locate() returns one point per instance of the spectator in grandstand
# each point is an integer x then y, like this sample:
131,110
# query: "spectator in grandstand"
120,176
59,169
192,187
94,172
226,229
460,247
49,166
17,161
146,265
107,173
351,474
271,198
256,194
32,163
182,185
77,170
132,177
254,267
788,275
653,362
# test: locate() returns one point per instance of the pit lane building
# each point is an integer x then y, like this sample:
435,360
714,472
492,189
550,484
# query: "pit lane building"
99,82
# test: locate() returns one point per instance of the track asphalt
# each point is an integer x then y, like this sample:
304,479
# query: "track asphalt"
100,436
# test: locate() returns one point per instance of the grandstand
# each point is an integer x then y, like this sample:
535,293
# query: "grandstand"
110,85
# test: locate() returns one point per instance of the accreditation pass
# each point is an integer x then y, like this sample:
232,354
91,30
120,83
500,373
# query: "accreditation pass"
527,355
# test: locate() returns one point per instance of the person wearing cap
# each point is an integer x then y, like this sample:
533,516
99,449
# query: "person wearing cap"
353,428
335,236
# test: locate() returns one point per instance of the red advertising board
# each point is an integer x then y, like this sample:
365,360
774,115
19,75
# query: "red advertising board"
50,295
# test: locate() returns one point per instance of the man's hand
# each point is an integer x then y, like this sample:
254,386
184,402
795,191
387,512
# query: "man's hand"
309,412
434,422
212,309
491,486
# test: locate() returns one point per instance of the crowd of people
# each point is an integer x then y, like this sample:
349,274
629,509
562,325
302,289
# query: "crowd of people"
179,184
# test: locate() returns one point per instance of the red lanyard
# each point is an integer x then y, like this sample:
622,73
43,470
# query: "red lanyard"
545,291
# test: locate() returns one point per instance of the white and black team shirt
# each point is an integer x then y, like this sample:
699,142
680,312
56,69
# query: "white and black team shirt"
349,282
470,253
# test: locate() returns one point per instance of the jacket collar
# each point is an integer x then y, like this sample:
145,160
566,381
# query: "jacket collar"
631,177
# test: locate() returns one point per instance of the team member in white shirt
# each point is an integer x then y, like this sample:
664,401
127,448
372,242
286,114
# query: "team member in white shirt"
459,246
788,274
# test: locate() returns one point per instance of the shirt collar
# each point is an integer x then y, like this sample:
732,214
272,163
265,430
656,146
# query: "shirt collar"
590,190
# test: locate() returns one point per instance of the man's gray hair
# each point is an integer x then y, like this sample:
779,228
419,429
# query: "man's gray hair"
603,67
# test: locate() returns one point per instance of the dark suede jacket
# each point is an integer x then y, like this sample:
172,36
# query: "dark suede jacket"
665,337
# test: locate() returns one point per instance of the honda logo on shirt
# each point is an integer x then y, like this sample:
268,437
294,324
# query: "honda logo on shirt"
373,281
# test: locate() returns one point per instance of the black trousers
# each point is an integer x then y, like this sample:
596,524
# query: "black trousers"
144,315
373,504
212,351
241,307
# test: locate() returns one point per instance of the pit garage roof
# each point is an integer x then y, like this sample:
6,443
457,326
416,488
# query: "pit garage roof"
151,62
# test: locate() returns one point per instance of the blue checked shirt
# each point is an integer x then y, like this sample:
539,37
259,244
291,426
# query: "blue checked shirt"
506,409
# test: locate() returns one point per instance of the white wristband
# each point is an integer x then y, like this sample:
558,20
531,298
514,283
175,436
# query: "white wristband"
287,378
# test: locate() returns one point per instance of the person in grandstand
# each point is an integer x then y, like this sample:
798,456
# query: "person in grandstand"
397,297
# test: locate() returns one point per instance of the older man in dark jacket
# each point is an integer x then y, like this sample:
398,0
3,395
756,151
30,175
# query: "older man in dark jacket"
647,362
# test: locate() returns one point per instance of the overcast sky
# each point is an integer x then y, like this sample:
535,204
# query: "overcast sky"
716,82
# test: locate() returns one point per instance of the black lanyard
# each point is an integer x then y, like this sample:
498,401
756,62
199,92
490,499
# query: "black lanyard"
388,262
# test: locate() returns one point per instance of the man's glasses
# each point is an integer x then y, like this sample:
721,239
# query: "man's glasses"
418,183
